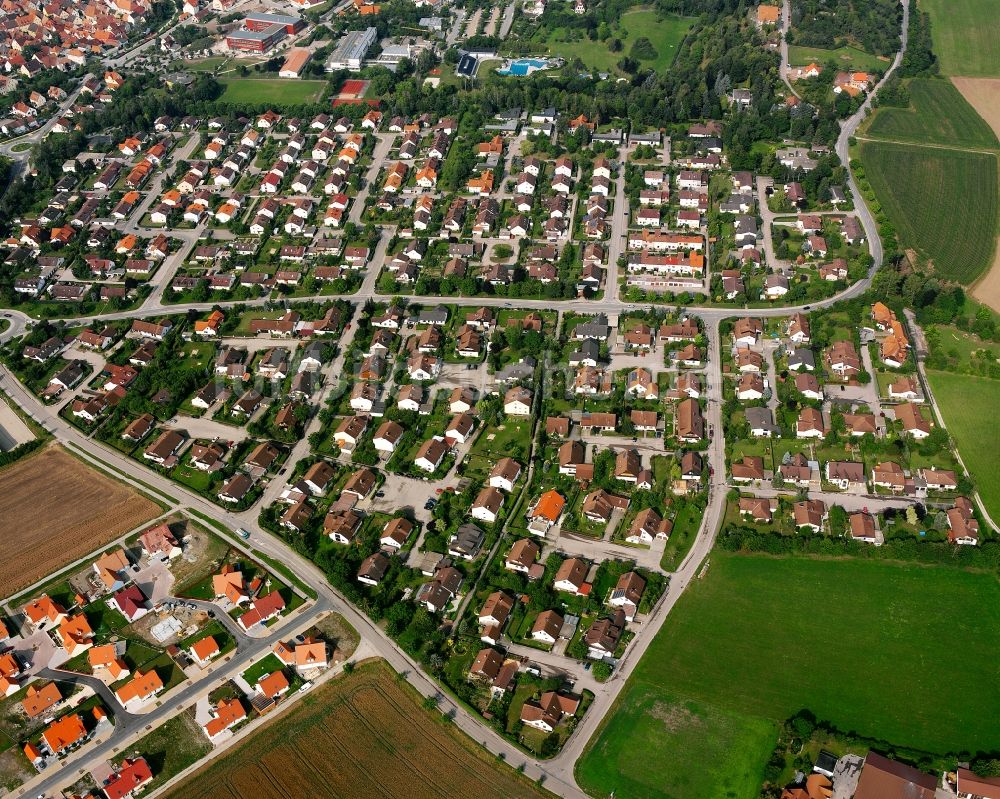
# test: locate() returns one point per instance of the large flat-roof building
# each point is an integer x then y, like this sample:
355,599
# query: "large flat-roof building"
258,21
255,41
351,50
260,32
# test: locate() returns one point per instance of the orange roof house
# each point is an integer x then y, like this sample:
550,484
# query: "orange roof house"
427,175
109,566
209,325
32,752
39,700
127,243
273,685
483,184
227,714
882,315
105,658
549,507
205,649
229,583
64,733
43,612
310,654
75,634
493,146
140,688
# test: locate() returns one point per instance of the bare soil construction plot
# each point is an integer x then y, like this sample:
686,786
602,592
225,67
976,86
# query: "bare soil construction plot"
55,509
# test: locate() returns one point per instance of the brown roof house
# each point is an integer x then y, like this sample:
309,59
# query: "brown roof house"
627,594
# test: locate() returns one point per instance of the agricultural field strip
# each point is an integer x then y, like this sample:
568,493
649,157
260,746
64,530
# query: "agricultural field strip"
392,726
68,532
929,145
927,197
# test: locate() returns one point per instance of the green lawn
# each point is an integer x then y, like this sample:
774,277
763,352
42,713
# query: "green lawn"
205,64
698,750
943,203
511,439
844,57
965,401
965,36
868,646
170,748
262,668
665,34
938,114
265,90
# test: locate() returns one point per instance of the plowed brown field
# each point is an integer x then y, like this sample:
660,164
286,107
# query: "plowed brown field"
55,509
362,735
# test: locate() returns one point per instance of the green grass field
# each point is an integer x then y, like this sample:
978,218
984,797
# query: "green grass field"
844,57
943,203
938,115
965,401
730,749
665,33
277,91
868,646
965,41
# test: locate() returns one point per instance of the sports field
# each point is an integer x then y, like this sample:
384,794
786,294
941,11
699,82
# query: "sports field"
943,203
965,36
965,402
364,734
938,114
844,57
868,646
275,91
664,33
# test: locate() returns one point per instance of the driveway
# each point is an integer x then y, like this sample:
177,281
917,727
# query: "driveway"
200,427
599,550
39,650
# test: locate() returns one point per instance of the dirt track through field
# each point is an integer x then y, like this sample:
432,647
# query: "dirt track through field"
983,94
55,509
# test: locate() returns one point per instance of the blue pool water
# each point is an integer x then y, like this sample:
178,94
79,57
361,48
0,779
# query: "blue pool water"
523,66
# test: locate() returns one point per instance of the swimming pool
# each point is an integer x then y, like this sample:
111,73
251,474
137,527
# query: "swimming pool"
523,66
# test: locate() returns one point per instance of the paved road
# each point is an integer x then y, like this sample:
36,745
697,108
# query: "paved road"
508,19
786,23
